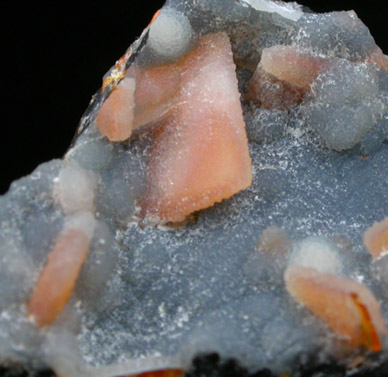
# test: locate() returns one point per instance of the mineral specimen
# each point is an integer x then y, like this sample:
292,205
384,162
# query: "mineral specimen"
225,197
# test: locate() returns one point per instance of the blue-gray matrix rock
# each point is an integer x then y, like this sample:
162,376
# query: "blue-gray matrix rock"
220,195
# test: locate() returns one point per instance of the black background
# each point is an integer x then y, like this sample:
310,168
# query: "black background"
55,55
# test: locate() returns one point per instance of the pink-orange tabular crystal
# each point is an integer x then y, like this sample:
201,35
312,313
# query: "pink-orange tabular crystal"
283,76
142,97
155,94
289,64
201,154
348,307
58,278
116,115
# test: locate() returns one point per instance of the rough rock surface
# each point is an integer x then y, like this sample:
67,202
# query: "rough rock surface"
297,185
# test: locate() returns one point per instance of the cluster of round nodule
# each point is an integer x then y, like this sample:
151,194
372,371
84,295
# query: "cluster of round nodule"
344,102
332,73
349,105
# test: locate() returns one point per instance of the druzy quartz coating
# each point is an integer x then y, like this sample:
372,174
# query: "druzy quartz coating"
225,193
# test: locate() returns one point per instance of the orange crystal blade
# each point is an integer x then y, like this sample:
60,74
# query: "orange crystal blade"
200,155
376,238
348,307
58,278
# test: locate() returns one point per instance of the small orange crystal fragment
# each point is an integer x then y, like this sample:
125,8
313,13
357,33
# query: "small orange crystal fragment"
142,97
115,117
57,280
348,307
200,155
155,16
161,373
376,238
283,76
287,63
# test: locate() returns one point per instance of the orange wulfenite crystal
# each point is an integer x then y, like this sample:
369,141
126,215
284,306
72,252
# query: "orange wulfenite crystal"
348,307
142,97
200,155
283,76
156,89
376,238
115,117
57,281
288,64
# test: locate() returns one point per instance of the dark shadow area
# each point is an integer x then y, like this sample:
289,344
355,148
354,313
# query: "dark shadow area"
55,57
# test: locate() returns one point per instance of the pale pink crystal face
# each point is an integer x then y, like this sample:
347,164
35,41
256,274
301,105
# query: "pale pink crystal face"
376,238
283,77
115,118
142,97
156,92
201,154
